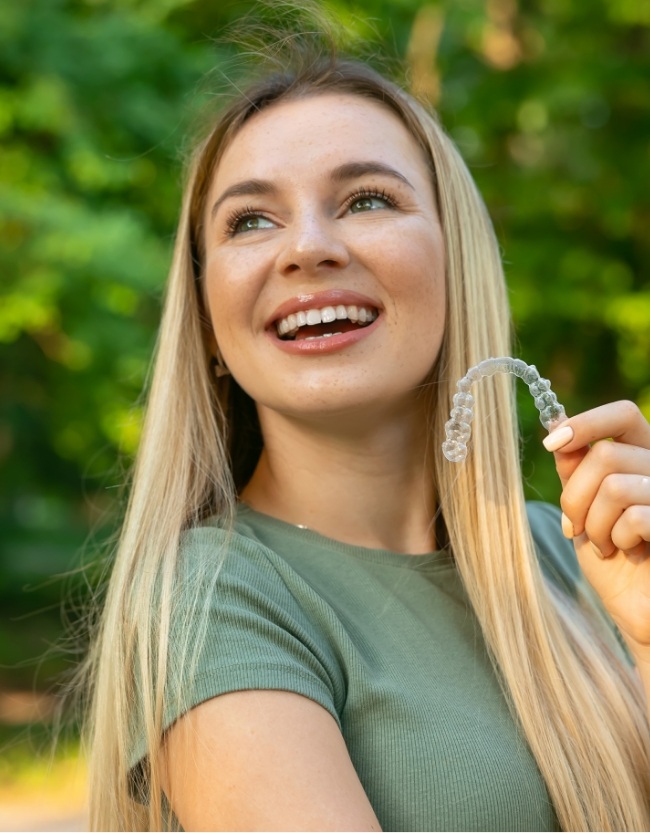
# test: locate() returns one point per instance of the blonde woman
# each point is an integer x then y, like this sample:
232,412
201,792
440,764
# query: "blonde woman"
315,622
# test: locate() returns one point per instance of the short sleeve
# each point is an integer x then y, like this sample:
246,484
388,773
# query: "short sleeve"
240,621
257,635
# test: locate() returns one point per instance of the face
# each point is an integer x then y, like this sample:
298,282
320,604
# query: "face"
324,258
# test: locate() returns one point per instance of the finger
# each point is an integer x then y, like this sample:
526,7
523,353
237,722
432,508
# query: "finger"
596,475
632,530
618,495
566,463
621,421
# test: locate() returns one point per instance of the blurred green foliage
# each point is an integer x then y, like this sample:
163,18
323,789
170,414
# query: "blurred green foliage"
547,100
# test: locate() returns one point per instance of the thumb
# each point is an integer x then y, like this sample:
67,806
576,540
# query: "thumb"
566,462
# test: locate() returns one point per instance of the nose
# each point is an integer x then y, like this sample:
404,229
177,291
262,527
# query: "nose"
312,242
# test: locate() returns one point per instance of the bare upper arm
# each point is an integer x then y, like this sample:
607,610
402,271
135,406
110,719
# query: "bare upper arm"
262,760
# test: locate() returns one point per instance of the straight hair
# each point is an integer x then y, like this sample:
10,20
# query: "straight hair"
570,689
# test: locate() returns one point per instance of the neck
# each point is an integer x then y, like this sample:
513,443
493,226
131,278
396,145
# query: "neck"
362,482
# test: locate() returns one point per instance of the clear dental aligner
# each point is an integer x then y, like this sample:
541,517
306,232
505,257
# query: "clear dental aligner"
458,428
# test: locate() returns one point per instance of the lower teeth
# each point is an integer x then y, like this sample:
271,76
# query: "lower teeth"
325,335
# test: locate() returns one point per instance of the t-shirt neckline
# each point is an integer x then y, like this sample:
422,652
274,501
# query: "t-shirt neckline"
247,512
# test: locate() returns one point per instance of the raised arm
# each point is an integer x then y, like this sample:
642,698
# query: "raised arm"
606,504
263,760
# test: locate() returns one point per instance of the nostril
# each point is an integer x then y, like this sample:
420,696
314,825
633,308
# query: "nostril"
308,248
296,267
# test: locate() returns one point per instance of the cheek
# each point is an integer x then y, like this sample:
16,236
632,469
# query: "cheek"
230,293
421,305
418,280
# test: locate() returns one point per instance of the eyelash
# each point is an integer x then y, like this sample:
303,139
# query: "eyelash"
240,214
235,218
364,193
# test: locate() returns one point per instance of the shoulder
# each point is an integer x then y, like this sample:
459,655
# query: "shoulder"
244,585
556,553
238,619
251,619
211,542
216,556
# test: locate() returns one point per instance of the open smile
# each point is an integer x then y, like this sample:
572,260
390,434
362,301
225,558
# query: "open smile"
326,322
323,321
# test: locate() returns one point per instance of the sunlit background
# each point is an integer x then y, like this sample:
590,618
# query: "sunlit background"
548,101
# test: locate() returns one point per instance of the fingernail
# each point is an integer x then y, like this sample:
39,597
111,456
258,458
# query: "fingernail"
597,551
559,438
567,527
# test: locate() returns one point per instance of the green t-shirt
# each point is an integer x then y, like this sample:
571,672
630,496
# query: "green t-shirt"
388,644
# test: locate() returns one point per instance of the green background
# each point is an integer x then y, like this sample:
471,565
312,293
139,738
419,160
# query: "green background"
548,101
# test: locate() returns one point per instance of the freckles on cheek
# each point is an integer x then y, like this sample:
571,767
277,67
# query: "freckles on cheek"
232,311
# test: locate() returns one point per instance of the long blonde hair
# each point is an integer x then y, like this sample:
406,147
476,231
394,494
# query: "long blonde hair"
578,703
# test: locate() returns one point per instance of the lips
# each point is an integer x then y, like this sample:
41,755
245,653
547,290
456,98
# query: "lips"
325,322
316,314
322,321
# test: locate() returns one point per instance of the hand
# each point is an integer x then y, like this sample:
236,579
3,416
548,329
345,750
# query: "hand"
606,506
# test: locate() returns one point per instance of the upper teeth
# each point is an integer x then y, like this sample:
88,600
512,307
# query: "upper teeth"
309,317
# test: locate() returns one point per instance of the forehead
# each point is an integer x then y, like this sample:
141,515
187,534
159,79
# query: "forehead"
318,132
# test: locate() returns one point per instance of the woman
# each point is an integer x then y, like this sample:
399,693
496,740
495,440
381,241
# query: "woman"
314,620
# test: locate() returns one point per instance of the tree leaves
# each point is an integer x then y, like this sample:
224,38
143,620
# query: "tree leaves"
546,100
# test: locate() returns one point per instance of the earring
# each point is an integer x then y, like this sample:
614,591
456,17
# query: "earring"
220,367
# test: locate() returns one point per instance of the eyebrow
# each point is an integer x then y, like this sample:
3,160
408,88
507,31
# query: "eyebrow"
247,188
354,170
340,174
